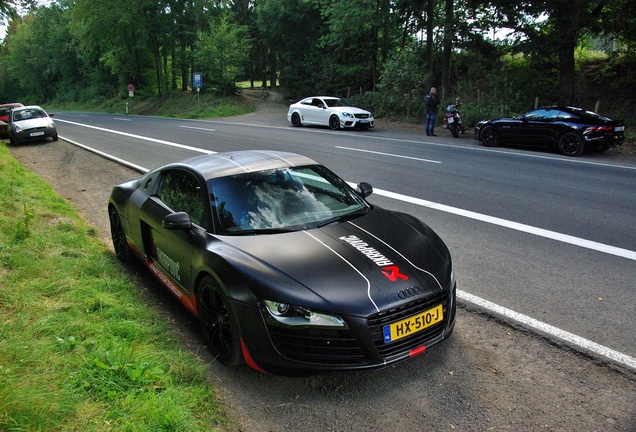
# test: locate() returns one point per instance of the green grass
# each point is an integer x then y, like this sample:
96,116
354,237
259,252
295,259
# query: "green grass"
177,104
80,349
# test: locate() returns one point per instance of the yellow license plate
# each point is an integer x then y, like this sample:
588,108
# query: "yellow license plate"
414,324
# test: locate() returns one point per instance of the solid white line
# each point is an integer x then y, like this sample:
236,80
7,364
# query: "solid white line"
158,141
388,154
571,338
588,244
123,162
198,128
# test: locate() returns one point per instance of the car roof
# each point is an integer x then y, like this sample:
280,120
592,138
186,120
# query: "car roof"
241,162
13,104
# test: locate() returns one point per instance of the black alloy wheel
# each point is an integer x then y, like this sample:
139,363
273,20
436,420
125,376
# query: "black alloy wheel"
218,324
571,144
122,250
488,136
295,120
334,122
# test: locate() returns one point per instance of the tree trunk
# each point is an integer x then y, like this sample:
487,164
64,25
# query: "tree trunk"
448,48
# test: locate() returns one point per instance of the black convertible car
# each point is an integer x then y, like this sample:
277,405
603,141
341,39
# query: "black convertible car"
285,265
571,131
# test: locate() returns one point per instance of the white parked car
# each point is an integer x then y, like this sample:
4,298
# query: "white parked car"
30,123
329,111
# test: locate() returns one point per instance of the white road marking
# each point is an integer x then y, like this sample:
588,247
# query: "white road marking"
158,141
564,238
389,154
571,338
524,320
198,128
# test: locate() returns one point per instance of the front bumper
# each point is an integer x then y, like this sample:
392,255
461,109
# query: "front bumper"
360,347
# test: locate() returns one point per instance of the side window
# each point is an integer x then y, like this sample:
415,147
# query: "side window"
181,191
543,115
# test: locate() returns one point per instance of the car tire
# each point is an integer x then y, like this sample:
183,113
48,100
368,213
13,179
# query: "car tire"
295,120
571,144
122,250
488,136
218,324
55,137
334,122
453,129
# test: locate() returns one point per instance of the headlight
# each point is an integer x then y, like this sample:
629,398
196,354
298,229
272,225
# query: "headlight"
18,129
344,114
301,316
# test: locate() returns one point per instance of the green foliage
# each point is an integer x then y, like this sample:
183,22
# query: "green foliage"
222,53
79,347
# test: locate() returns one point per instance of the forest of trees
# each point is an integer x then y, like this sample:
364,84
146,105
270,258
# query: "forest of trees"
386,52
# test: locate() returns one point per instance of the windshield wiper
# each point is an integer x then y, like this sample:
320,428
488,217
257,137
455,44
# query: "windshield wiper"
344,217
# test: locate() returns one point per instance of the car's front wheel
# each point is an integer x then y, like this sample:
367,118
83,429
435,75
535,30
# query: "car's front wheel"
334,122
571,144
488,136
218,324
295,120
122,250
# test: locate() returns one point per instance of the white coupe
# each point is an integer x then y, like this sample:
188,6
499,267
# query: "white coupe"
329,111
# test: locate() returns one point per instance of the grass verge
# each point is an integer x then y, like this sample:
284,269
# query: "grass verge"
80,350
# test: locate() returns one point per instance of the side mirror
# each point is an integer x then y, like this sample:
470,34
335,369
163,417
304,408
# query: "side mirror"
177,221
364,189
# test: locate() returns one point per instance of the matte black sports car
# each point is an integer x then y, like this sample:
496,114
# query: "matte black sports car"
571,131
285,265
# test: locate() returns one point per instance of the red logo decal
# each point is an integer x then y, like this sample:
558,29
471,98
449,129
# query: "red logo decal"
392,273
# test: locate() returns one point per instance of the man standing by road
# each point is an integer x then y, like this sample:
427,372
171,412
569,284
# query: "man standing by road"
432,101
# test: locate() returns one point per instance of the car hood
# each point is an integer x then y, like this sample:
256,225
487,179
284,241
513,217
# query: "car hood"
350,110
34,123
375,262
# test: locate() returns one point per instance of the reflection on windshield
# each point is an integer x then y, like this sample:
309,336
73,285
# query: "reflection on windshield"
293,199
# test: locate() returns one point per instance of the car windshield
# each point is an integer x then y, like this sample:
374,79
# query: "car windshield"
281,200
27,114
337,102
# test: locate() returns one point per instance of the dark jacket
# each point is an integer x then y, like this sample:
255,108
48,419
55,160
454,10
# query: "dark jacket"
432,101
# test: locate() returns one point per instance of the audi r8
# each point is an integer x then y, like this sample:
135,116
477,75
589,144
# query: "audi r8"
329,111
287,267
570,130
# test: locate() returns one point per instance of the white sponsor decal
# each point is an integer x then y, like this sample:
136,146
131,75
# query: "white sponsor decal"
367,250
169,264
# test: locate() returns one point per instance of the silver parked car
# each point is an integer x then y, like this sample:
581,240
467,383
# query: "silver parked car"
30,123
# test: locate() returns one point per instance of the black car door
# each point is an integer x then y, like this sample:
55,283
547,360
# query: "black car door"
538,126
171,249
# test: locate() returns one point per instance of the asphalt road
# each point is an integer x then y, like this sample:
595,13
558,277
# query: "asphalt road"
491,374
539,234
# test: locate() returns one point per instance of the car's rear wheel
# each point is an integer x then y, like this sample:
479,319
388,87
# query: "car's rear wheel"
122,250
218,324
571,144
488,136
295,120
334,122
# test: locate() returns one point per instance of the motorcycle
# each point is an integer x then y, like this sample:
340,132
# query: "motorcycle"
453,120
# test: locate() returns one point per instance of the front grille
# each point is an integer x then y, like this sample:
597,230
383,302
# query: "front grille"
378,321
318,346
362,116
